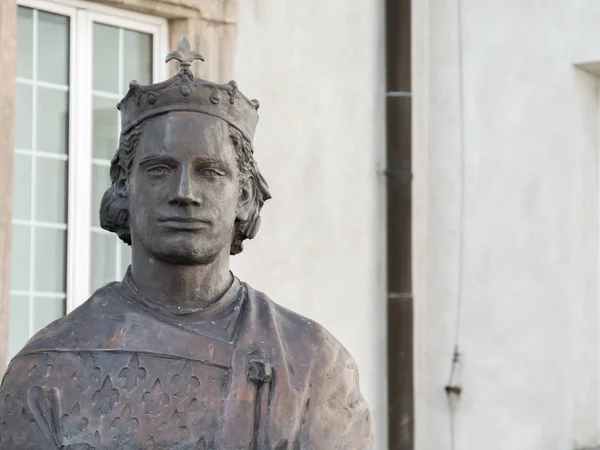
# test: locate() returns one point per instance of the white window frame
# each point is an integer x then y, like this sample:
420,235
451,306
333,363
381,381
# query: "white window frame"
82,15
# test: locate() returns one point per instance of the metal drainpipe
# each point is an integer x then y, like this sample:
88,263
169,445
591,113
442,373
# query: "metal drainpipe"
399,175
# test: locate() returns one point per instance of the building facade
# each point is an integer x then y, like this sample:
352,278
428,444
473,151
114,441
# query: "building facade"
320,144
505,224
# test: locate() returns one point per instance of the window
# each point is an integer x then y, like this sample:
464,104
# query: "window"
119,55
74,63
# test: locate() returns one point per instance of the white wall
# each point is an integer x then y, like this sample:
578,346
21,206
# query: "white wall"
529,326
318,70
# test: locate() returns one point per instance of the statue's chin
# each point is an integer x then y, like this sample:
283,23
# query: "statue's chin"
184,256
182,248
180,254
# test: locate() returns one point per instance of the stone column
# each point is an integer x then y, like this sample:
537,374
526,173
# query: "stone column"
8,44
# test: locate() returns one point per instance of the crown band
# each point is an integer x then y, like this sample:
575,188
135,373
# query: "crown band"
190,108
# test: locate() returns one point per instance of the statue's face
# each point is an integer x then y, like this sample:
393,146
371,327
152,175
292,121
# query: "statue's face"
184,193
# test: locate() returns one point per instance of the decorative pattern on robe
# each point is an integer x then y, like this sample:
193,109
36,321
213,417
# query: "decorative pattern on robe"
110,376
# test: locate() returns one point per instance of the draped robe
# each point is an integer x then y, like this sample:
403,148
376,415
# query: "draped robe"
114,374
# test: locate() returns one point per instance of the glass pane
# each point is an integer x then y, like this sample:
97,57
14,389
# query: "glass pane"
52,120
50,260
104,259
125,256
25,42
23,116
46,310
19,257
105,128
51,190
22,187
100,183
106,58
53,48
18,324
138,63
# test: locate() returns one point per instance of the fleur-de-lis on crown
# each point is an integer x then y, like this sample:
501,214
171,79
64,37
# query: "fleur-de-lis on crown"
184,53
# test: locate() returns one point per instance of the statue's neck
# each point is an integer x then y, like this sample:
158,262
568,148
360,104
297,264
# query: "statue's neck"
179,286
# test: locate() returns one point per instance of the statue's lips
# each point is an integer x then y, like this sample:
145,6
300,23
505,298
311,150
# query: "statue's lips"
183,223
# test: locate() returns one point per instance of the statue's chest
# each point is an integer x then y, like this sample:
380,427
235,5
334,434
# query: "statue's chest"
136,401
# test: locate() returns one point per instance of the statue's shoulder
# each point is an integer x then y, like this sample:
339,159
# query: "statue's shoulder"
105,303
301,333
333,378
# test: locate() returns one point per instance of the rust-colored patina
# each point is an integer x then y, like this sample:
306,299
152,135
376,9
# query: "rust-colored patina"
181,354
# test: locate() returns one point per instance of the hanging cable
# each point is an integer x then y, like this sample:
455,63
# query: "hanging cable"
453,390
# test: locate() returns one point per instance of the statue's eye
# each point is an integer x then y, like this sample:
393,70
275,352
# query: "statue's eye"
158,170
211,173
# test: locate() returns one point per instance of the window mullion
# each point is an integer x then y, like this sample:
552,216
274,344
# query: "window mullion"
32,229
80,174
160,49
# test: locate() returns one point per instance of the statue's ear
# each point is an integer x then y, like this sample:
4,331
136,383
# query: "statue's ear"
246,199
122,185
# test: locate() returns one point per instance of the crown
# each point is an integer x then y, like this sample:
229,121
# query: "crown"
184,92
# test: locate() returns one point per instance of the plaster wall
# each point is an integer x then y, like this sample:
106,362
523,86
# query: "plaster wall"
319,75
528,319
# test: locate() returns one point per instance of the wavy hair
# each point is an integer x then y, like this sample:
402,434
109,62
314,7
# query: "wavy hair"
114,207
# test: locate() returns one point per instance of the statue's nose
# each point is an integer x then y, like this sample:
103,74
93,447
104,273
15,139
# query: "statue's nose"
184,189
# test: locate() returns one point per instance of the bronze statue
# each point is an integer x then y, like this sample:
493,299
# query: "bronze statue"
181,354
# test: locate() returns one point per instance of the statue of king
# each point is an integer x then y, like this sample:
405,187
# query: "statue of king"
181,354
